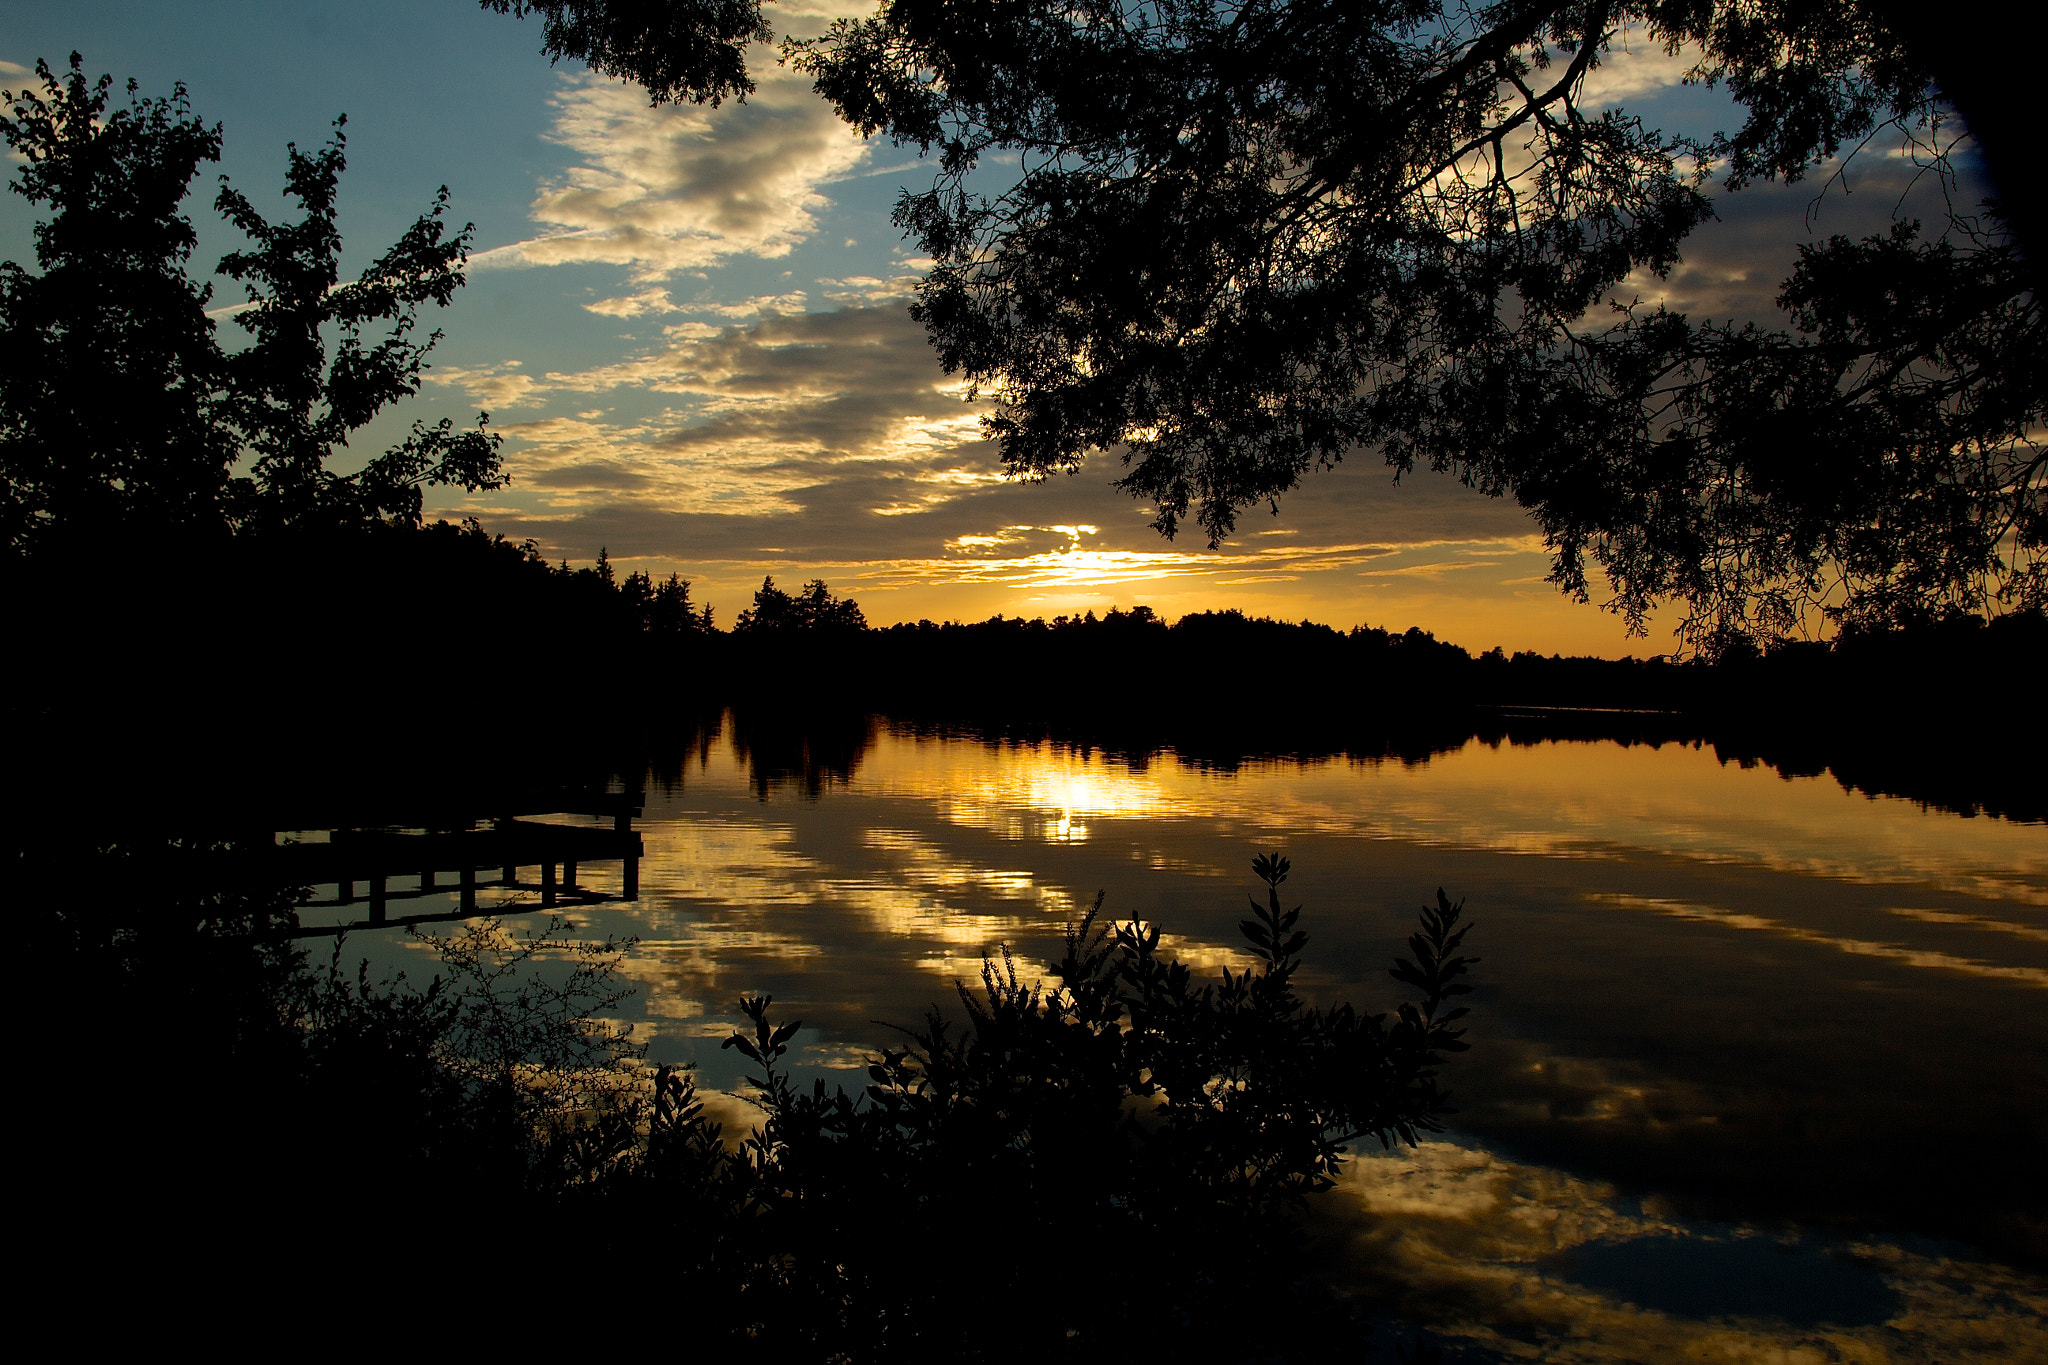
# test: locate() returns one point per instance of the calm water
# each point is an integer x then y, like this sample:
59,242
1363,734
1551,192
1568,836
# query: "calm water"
1760,1067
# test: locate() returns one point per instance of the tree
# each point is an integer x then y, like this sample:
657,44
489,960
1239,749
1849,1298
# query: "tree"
108,368
668,610
662,609
294,407
118,403
1250,239
812,609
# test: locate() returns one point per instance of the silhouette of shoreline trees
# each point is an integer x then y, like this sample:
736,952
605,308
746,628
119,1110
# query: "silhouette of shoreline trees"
813,609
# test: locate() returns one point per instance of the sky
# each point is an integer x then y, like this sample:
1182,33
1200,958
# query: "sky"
690,326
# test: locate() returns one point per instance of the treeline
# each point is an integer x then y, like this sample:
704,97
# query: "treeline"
238,666
1135,661
319,654
1878,710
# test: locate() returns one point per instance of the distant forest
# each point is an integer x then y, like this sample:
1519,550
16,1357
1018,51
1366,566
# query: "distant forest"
327,653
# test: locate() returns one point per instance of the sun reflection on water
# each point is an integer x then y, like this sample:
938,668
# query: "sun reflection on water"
1569,800
869,901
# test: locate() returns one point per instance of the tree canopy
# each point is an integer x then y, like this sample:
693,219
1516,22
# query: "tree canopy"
119,404
1248,238
814,608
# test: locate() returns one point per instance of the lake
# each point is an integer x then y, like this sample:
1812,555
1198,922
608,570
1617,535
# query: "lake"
1759,1065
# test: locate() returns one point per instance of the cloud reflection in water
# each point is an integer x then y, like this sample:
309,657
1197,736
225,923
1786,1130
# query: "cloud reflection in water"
1694,974
1535,1264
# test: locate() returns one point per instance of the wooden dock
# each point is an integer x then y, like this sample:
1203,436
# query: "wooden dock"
377,866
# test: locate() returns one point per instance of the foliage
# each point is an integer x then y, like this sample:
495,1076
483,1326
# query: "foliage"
293,406
1877,465
108,352
633,605
813,610
1247,240
1251,1093
1125,1112
211,1091
679,49
665,607
118,402
659,609
499,1069
1110,1153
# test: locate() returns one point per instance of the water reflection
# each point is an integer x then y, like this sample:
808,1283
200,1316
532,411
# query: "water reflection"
1575,799
1718,1004
1531,1263
1912,957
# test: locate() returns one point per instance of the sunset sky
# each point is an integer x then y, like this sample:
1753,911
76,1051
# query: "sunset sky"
690,325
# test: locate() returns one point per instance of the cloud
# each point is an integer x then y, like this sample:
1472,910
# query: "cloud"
868,291
659,189
853,384
845,414
635,305
659,301
592,474
503,385
1039,558
578,466
1637,65
761,305
833,443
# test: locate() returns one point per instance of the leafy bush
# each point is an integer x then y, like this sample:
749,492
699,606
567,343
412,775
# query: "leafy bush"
1112,1162
1107,1165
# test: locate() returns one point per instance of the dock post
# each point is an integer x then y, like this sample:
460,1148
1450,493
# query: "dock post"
622,825
427,879
468,876
547,884
345,890
377,899
568,874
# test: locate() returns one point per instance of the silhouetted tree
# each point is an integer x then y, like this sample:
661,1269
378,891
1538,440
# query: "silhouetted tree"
669,611
661,609
108,368
692,50
118,402
814,609
1253,238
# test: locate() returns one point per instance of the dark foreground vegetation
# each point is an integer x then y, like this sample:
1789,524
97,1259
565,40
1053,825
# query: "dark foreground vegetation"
1110,1163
